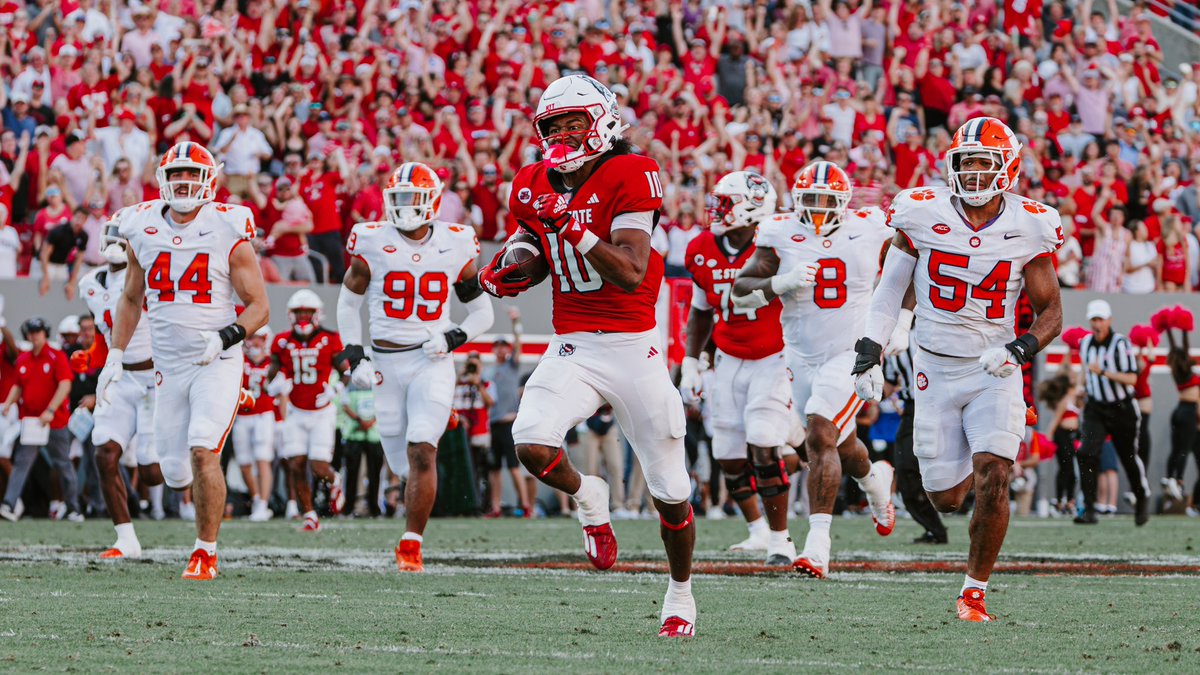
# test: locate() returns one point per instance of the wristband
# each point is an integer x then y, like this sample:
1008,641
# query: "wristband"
455,338
1024,348
353,355
231,335
587,240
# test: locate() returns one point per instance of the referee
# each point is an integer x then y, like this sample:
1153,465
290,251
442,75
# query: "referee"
1111,370
898,373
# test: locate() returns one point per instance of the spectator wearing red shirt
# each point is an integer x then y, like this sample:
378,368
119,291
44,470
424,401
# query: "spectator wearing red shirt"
290,221
319,188
43,383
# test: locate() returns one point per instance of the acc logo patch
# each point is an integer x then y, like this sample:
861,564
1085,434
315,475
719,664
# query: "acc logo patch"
922,381
941,228
524,195
389,249
151,231
975,242
798,238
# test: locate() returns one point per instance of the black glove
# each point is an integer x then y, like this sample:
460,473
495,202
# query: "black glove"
1023,348
869,354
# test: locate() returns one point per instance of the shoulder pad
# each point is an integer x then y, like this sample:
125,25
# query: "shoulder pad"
239,218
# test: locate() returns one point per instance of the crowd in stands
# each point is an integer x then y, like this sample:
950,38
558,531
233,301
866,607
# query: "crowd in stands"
311,103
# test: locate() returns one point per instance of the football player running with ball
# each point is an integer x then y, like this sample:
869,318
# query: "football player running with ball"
822,260
750,397
967,249
592,205
190,262
404,269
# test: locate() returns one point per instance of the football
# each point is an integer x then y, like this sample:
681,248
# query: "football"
523,250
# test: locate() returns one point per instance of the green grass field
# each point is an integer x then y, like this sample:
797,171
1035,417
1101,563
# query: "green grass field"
494,601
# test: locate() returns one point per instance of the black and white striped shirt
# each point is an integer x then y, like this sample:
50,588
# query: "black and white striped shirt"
1114,355
898,371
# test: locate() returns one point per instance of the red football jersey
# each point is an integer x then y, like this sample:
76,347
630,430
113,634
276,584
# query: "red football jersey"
742,333
254,378
584,302
308,363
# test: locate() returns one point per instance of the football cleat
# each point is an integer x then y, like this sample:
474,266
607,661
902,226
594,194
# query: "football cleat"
810,566
879,497
337,497
311,525
112,554
292,512
408,556
675,627
755,542
116,553
201,566
971,606
600,545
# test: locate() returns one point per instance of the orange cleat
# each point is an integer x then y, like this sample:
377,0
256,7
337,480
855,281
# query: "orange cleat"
408,556
1031,417
809,567
112,554
201,566
675,627
971,608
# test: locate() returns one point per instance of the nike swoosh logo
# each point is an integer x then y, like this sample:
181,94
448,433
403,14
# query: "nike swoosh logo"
1011,235
226,358
443,250
205,234
853,237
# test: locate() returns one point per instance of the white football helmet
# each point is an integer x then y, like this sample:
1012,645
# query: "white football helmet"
305,299
740,199
114,247
574,94
188,155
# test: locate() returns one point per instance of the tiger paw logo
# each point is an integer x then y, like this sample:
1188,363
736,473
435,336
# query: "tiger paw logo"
922,381
975,242
922,195
1033,207
862,213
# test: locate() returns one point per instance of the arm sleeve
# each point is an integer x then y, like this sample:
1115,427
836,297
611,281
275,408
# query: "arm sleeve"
889,295
349,316
637,220
479,317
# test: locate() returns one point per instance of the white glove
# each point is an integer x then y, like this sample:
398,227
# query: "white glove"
689,375
803,276
869,385
363,375
329,393
435,347
110,374
899,340
279,386
212,348
998,362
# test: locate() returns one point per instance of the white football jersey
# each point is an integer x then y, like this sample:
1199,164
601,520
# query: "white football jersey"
408,298
967,280
187,273
825,320
100,289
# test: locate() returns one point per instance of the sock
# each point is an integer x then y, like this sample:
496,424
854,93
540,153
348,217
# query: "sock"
758,526
156,496
678,601
209,547
817,543
412,536
820,522
126,535
591,500
968,582
310,515
778,539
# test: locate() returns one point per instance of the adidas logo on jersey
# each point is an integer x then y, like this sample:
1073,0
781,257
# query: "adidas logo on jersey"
593,199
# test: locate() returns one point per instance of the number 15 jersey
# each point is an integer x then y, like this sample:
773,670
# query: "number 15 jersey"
825,320
967,280
188,287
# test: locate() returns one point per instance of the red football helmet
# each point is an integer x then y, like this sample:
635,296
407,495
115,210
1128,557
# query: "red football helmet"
820,196
412,196
985,137
187,156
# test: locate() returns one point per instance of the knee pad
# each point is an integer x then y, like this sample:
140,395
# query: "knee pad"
741,485
176,471
770,474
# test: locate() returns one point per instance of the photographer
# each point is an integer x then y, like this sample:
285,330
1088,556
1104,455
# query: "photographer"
472,399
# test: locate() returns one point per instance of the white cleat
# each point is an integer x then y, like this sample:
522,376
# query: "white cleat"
781,555
879,497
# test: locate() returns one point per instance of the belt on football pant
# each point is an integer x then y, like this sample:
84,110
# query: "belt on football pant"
944,356
148,364
385,347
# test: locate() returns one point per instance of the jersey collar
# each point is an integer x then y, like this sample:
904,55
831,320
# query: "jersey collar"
958,210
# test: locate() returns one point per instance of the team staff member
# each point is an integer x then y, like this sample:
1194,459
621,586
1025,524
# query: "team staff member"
42,384
1111,368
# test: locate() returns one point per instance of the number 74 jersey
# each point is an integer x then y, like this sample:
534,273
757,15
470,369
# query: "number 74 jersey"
967,280
825,320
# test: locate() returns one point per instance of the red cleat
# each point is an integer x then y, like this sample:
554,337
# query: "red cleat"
810,568
408,556
311,525
675,627
600,545
971,606
112,554
337,498
201,566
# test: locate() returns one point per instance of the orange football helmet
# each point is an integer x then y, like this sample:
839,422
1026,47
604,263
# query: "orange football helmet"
412,196
820,196
989,138
187,156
